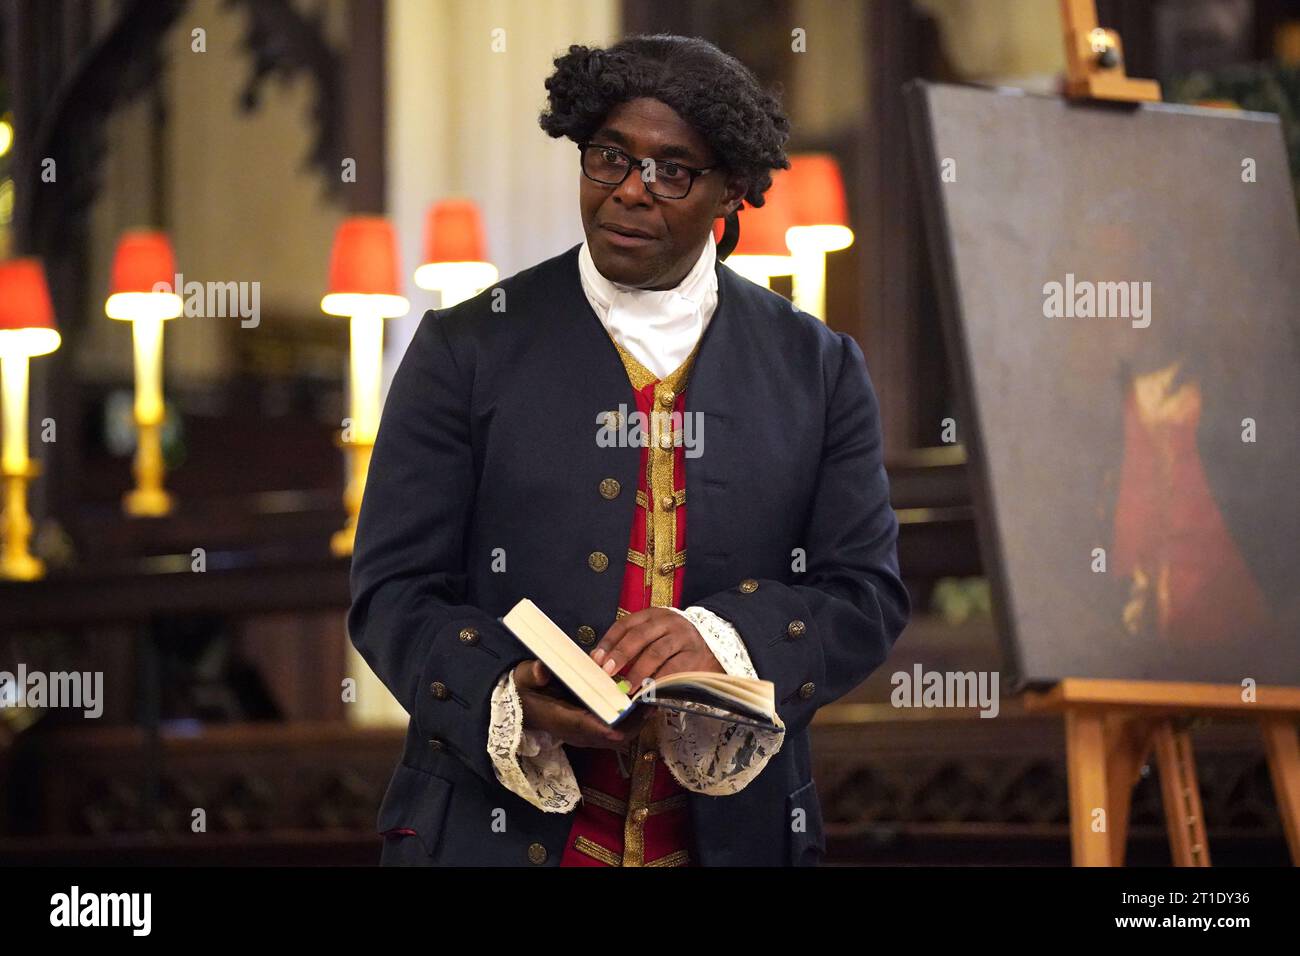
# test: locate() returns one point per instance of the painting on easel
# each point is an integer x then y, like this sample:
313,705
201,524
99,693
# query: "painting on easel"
1122,301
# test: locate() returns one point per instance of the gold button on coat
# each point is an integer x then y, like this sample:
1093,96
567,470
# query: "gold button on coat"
748,586
666,442
536,853
639,814
667,502
666,568
796,629
666,398
609,488
586,635
439,690
469,636
807,690
598,561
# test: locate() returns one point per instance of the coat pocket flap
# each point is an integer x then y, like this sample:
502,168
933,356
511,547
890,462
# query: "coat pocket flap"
415,801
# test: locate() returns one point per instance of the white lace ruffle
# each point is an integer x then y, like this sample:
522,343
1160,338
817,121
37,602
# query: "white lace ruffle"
530,763
704,754
712,756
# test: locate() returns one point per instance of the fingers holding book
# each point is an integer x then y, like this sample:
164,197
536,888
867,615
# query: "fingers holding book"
574,725
653,643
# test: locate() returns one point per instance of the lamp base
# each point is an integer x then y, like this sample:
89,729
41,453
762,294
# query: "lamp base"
21,567
342,541
147,503
17,563
358,452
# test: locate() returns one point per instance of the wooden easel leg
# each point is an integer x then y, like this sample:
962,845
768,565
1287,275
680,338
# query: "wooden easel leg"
1128,741
1181,796
1085,757
1283,749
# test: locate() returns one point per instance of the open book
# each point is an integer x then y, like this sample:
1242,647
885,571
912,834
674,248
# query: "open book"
741,700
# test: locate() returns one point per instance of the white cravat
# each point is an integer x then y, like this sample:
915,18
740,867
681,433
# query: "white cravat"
658,327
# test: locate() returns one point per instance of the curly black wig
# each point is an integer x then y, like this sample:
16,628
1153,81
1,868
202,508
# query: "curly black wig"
714,92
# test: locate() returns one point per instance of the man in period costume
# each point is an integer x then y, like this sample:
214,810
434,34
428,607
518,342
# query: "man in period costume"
683,471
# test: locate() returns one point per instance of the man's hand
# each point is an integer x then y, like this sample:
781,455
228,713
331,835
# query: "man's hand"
655,642
576,726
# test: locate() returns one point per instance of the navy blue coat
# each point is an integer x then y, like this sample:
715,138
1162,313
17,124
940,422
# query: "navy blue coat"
487,450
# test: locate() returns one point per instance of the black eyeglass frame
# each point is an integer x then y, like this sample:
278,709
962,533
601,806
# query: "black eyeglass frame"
635,163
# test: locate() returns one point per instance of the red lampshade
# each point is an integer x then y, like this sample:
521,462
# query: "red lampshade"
817,191
364,260
454,232
24,296
762,229
144,258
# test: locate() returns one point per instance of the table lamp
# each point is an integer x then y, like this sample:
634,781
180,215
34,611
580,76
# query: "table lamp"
455,252
819,224
26,330
761,251
363,287
144,270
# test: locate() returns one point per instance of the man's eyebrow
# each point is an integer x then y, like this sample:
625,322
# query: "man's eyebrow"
667,151
673,151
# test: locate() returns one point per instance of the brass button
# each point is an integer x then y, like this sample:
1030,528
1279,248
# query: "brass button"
586,635
796,629
598,561
439,690
648,756
639,814
666,398
613,419
807,690
435,744
666,568
748,586
667,502
666,441
469,636
536,853
609,488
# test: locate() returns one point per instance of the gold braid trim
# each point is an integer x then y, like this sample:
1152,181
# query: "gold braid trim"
597,852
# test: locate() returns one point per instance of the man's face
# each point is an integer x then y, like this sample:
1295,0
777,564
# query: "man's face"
675,230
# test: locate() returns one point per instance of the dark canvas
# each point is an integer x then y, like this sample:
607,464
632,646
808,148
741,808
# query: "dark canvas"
1124,433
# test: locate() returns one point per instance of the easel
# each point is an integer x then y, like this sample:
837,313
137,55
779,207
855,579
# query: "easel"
1111,727
1094,59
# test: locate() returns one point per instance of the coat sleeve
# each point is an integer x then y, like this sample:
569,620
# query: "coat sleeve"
819,637
409,618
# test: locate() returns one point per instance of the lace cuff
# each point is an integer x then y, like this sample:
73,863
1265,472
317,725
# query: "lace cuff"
707,755
722,639
529,763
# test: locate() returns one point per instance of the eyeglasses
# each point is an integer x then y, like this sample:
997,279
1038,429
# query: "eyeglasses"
609,166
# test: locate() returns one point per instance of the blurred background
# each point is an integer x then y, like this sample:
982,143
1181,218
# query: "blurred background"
245,132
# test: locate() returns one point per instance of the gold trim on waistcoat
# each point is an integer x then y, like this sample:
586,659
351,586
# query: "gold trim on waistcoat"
662,557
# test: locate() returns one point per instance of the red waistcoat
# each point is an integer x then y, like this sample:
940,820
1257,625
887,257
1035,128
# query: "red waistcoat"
633,813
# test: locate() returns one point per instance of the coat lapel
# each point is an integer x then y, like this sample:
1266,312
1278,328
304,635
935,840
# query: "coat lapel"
712,477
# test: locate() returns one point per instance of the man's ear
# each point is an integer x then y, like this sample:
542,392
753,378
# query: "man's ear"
732,197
